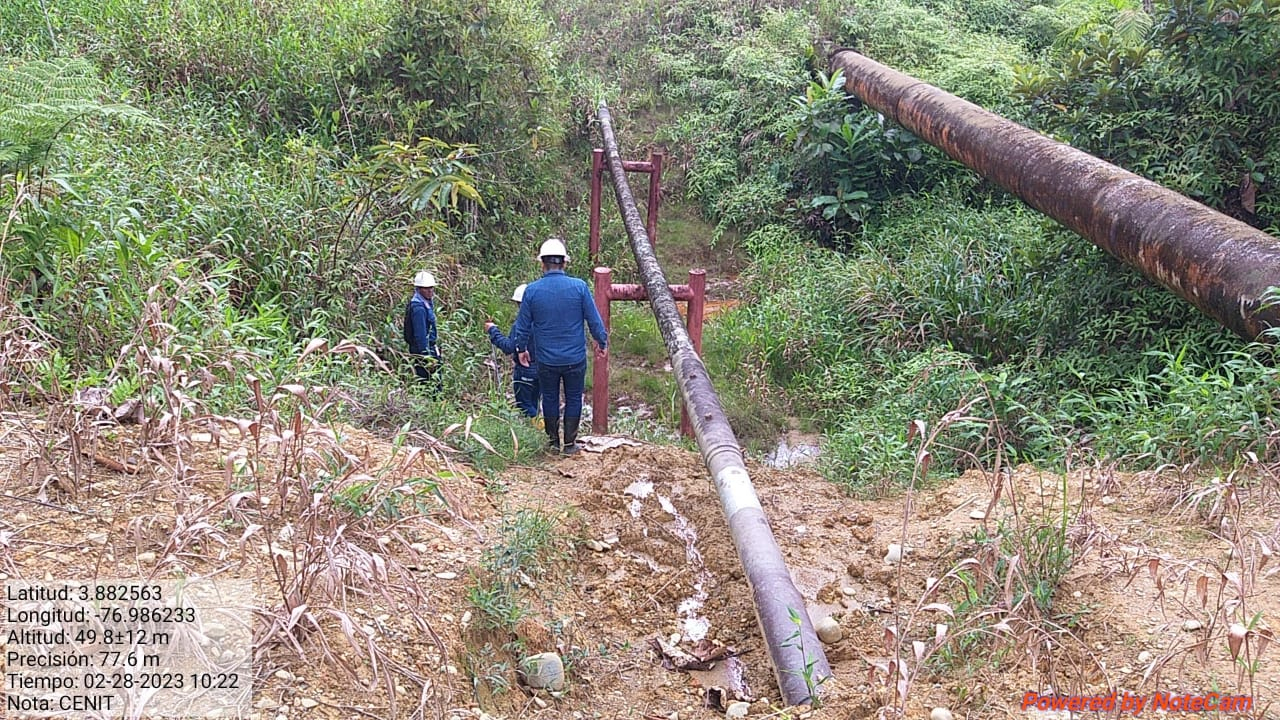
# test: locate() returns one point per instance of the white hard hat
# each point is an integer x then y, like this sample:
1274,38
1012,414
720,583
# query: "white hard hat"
424,279
518,295
553,247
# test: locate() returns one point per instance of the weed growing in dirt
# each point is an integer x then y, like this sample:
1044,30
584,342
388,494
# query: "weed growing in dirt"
1030,553
489,668
512,571
1003,588
525,549
812,681
1223,602
321,520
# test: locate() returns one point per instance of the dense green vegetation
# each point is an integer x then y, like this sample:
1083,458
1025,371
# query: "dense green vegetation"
208,186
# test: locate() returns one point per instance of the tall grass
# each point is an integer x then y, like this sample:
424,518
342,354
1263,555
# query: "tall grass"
944,304
242,251
279,198
275,62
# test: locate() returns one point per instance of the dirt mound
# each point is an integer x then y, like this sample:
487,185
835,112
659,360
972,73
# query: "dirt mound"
1123,614
394,547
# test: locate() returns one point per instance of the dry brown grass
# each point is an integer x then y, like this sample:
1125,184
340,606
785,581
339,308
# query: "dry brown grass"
277,493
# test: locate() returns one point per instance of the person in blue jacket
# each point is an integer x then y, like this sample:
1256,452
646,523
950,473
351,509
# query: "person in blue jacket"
555,307
420,332
524,376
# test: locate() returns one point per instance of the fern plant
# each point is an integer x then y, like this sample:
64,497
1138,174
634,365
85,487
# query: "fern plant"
41,99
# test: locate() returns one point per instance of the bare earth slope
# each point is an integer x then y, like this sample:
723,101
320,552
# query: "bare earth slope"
383,541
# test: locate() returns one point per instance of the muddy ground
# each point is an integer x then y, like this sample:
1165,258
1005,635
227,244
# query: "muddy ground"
386,543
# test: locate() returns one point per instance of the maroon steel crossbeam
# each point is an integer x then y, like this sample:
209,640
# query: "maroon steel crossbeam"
653,166
694,295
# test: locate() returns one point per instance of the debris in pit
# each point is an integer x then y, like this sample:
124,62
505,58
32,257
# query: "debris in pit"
702,656
601,443
715,667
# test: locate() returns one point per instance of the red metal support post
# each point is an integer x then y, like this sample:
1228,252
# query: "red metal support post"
653,166
606,292
697,307
693,323
603,277
655,195
597,172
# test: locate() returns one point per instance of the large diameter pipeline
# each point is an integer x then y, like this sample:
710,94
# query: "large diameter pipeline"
1217,263
775,596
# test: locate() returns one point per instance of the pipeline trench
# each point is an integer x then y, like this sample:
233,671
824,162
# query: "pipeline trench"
1220,265
630,595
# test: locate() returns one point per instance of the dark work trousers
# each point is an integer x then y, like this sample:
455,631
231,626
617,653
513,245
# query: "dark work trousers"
426,368
551,378
525,383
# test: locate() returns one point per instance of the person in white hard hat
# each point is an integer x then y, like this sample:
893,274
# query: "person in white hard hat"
420,331
524,374
555,307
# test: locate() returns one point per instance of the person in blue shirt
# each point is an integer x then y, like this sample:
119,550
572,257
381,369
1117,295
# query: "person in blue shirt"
524,376
420,332
555,307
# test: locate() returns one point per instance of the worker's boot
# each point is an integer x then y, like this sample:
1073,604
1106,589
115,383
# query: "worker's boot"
571,435
553,434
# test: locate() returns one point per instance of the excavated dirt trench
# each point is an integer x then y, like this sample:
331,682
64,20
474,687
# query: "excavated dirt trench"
648,571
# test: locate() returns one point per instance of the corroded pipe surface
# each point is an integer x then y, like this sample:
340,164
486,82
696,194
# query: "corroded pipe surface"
796,652
1222,266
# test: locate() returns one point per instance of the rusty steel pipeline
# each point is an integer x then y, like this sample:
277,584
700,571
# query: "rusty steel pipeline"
796,653
1221,265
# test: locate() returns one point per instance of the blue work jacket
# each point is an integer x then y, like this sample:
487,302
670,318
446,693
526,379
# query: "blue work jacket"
420,326
503,343
553,310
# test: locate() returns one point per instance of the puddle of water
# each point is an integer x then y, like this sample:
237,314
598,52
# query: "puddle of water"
791,453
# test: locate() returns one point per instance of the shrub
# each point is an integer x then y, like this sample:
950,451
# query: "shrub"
1188,412
980,70
869,450
896,33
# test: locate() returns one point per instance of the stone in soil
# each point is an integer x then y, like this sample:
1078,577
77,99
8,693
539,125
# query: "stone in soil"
544,671
828,630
